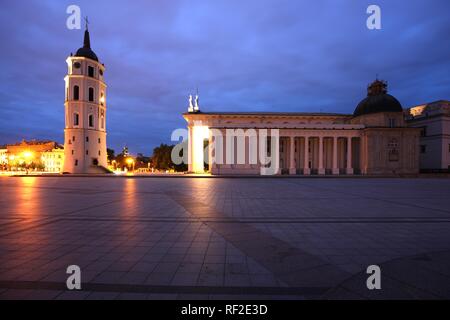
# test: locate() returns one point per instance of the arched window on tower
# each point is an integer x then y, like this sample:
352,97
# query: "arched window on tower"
76,92
102,119
76,119
91,94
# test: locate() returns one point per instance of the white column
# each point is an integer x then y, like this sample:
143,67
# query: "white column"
306,169
321,168
211,161
292,169
190,149
335,156
349,156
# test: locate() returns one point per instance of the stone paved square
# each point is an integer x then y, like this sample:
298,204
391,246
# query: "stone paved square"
224,238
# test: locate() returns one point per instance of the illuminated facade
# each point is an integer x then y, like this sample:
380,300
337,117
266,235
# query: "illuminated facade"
374,140
3,158
27,154
53,160
85,112
434,121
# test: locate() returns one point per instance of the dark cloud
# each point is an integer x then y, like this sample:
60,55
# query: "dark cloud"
243,55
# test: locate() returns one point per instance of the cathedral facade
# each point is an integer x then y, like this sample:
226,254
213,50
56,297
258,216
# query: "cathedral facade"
374,140
85,112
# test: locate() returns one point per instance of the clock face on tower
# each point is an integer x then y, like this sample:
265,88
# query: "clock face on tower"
77,65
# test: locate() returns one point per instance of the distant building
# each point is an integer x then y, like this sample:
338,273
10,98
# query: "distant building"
373,140
434,120
85,112
27,154
3,158
53,161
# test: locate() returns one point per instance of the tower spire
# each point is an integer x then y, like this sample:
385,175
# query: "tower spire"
87,39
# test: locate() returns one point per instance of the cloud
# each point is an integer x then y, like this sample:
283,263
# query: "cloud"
242,55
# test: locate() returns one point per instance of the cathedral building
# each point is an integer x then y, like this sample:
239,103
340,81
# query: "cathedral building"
85,112
374,140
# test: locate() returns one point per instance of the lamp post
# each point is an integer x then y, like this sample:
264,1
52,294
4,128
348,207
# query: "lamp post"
27,155
130,161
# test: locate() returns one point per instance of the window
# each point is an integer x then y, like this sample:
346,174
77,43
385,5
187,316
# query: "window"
76,119
391,123
393,152
91,120
423,133
91,94
72,151
87,152
99,152
87,139
102,99
91,71
102,122
73,138
98,140
423,149
76,93
76,162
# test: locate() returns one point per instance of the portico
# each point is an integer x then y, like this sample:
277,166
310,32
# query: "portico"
319,152
372,140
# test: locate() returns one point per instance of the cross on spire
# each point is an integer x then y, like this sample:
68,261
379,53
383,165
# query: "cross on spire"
86,21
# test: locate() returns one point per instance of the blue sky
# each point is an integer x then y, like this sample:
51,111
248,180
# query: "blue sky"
243,55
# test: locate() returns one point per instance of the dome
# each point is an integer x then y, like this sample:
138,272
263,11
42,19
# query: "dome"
86,53
86,50
377,100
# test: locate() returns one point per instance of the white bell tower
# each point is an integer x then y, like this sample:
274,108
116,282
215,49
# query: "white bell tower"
85,112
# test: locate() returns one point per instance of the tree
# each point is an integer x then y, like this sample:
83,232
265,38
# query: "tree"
111,154
162,159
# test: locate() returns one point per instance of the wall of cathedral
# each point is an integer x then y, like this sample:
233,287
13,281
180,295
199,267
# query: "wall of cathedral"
390,151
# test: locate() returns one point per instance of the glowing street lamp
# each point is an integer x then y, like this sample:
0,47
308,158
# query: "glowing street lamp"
28,155
130,161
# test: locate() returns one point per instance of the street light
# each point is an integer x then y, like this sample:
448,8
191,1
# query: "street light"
130,162
27,155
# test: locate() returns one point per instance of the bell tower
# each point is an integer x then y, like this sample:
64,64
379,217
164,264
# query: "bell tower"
85,112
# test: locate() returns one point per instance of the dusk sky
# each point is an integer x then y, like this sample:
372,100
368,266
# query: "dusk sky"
251,55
